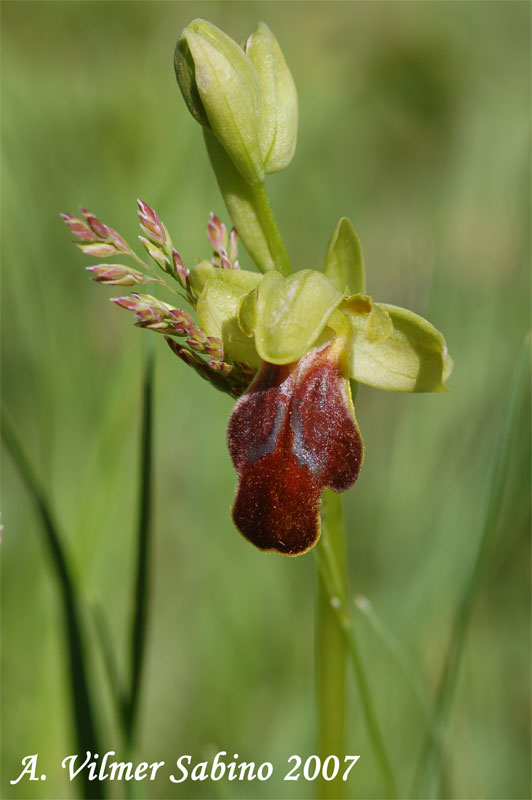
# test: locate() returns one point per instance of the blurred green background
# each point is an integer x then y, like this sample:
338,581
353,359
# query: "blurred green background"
415,123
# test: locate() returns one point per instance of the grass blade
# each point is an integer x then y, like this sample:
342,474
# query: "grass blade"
109,661
139,614
82,707
397,652
429,773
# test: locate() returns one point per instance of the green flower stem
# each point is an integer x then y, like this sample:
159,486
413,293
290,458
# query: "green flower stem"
82,702
330,649
430,768
250,211
139,615
267,222
330,553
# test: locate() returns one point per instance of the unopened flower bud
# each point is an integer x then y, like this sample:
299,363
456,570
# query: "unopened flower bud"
221,89
278,108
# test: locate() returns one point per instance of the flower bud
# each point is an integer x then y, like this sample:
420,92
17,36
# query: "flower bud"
221,89
278,109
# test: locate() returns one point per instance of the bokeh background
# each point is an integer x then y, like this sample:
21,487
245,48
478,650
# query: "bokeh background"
415,123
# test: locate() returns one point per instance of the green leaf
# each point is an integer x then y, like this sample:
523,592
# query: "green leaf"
278,108
412,358
217,312
344,264
291,313
227,86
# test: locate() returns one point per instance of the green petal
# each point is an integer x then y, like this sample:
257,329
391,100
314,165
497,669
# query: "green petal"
217,311
344,264
247,313
278,108
291,313
412,358
379,325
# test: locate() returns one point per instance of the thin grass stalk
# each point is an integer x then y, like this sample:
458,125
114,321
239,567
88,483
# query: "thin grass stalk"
430,767
139,614
333,579
400,656
84,723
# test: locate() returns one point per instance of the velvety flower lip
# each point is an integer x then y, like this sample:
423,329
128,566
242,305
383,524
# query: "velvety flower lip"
292,434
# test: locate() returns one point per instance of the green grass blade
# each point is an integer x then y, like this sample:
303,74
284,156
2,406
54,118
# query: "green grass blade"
109,661
397,651
429,772
139,615
82,706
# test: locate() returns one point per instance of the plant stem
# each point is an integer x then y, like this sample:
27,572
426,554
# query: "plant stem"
139,613
429,772
266,218
249,209
330,650
82,704
330,553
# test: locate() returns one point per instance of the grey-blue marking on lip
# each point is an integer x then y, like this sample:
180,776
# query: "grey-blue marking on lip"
268,444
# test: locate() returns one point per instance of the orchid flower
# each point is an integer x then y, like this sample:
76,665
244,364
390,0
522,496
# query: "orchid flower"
294,432
286,347
285,343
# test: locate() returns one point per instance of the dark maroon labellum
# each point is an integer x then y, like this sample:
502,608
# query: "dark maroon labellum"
291,435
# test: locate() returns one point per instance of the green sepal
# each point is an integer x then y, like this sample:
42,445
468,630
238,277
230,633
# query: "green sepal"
344,263
217,311
291,313
200,273
412,358
240,202
219,83
278,111
185,74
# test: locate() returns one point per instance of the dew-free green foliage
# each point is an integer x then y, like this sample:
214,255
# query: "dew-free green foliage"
414,123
